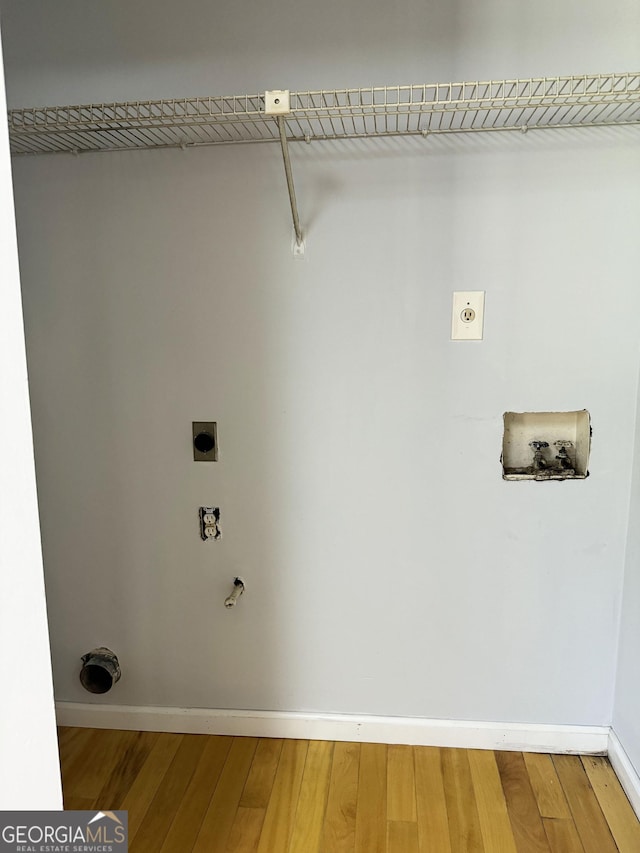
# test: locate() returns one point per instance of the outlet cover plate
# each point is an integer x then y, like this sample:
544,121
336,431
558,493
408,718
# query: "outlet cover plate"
209,429
467,317
209,523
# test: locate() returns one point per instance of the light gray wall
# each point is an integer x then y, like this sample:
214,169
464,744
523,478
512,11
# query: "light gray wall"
389,568
626,717
74,51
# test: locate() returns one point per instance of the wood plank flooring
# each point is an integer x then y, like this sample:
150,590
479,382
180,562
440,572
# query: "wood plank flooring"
206,793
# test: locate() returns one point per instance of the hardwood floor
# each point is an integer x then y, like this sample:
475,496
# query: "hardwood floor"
202,794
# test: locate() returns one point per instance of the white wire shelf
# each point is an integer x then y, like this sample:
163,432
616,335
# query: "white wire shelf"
544,102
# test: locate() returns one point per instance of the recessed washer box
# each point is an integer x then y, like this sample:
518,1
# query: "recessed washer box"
546,445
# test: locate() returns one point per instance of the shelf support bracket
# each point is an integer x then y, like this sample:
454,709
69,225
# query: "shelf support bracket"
276,103
290,187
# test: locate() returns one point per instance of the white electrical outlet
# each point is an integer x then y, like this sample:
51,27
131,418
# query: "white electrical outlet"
467,318
209,523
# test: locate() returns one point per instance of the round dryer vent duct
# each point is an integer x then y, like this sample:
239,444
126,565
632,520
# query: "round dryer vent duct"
100,670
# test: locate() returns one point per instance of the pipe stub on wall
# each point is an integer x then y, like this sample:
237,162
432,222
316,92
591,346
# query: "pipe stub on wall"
100,670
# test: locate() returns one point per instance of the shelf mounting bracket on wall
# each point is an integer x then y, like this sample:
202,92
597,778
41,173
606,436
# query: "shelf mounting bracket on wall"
277,103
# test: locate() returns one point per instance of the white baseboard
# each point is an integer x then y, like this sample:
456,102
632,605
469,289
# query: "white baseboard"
625,771
343,727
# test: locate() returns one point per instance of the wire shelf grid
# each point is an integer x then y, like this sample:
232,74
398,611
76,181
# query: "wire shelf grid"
534,103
